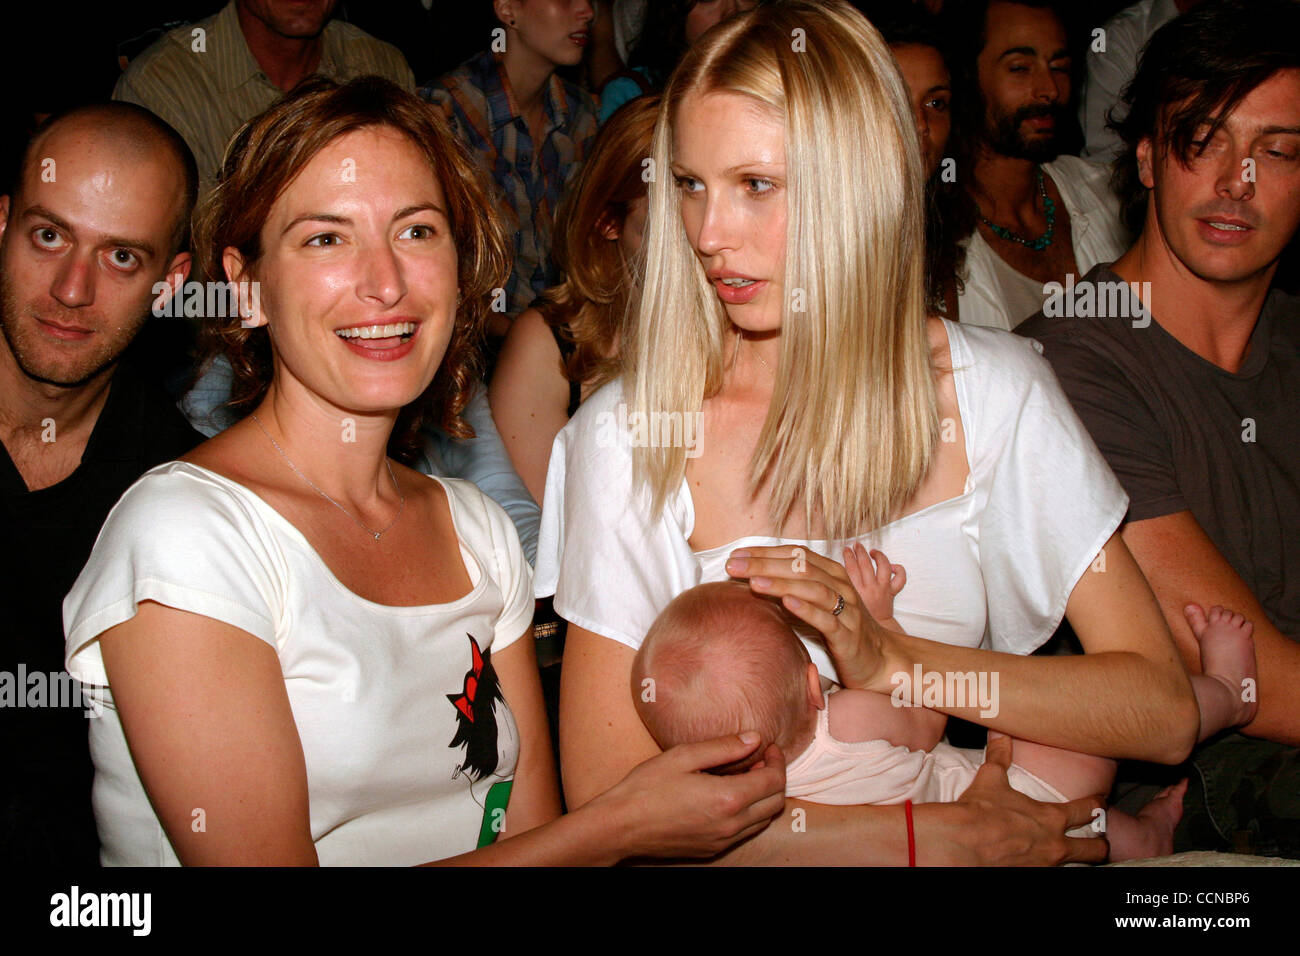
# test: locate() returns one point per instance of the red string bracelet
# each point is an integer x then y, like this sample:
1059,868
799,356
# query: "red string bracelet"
911,834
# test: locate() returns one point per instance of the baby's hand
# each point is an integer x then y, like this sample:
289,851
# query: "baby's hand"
877,585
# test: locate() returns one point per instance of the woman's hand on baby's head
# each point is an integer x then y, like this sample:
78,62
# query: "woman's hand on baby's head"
817,590
674,808
876,580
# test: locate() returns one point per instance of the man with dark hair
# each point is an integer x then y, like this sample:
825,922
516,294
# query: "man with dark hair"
99,214
1037,218
1186,375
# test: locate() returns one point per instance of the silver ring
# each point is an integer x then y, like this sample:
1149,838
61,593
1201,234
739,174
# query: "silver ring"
839,604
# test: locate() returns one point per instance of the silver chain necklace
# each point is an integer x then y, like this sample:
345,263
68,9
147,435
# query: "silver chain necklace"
370,531
740,338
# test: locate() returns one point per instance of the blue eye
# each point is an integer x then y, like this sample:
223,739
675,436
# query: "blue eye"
767,183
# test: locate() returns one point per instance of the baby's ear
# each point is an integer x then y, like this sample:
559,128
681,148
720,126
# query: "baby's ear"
815,696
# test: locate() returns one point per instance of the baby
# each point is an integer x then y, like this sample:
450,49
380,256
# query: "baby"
720,659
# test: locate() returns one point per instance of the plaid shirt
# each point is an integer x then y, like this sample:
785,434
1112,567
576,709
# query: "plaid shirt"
207,90
480,105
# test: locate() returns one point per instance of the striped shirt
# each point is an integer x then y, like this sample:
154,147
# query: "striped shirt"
479,103
207,84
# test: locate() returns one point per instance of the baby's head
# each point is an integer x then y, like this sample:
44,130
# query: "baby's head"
720,660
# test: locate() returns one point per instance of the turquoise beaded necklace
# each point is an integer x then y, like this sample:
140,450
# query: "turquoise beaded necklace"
1043,241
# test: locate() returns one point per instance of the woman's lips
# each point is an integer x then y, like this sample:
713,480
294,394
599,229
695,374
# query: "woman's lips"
388,349
738,296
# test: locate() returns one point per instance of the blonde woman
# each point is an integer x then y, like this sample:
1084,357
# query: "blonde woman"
782,324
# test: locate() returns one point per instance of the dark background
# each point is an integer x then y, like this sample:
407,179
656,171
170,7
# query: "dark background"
61,54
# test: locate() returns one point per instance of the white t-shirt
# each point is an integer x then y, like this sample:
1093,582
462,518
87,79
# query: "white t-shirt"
996,295
993,567
382,697
1110,69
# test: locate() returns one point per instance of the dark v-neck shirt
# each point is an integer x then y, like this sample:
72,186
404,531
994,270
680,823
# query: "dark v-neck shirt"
1182,434
45,538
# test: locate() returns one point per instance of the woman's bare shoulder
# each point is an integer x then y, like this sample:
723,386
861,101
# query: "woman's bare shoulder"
530,362
530,331
937,334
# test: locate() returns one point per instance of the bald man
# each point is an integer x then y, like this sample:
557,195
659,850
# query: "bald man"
99,213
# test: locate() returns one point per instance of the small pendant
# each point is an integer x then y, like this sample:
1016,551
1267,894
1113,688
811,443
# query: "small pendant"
377,534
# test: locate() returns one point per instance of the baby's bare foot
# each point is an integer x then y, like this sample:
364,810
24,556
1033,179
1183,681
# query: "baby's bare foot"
1151,832
1228,655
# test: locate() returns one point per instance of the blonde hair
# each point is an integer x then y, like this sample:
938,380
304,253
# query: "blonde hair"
852,426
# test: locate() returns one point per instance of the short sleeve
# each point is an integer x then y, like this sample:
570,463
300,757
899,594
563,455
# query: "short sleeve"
1049,500
179,538
1120,421
611,566
492,536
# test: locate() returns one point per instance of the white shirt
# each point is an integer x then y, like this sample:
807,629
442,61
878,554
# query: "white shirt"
629,17
1000,297
1109,71
848,773
992,567
373,688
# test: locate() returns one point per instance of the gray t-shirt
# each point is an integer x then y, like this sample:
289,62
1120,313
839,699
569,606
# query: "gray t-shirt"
1182,434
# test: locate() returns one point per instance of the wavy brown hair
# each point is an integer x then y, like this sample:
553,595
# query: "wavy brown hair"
590,305
269,152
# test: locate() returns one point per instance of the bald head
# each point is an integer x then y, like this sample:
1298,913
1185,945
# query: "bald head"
97,218
721,660
110,133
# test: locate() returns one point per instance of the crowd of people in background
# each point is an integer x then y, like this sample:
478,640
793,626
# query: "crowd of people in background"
969,327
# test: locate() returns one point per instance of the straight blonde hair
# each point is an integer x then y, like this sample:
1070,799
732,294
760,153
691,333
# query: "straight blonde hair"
851,429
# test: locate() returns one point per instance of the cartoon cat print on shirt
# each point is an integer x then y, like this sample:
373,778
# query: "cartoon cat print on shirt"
478,730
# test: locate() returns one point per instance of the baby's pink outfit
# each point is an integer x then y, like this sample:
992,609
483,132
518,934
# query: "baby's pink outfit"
876,771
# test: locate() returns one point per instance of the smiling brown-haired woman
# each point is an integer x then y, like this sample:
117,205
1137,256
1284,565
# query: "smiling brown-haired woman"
315,653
